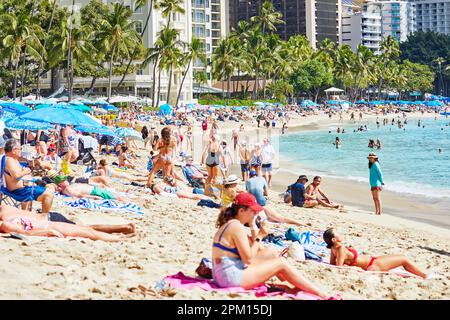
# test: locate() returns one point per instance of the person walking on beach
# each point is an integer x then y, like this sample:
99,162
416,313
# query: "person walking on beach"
268,154
204,126
376,181
212,157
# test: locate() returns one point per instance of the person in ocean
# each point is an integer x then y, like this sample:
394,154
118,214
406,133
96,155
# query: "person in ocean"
342,255
376,181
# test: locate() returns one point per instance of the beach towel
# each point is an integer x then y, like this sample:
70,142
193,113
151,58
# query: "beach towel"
104,204
181,281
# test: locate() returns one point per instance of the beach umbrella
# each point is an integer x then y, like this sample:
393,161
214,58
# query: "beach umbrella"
15,107
110,107
18,123
104,130
99,102
165,110
127,133
61,116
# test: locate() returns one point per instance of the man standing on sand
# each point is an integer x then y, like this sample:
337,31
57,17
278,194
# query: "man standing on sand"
268,154
313,190
244,155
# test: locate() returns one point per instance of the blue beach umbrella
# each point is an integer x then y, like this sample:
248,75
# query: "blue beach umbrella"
127,133
22,124
17,108
165,110
104,130
61,116
110,107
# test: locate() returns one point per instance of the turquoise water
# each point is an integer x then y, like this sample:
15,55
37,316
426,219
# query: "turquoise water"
409,159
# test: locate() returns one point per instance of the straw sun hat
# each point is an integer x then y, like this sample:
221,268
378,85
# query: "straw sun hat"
232,178
372,155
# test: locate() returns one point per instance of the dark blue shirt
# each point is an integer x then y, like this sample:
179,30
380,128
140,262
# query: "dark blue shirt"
298,194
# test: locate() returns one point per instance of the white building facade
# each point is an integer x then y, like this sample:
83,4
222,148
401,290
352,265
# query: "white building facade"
141,82
433,15
369,22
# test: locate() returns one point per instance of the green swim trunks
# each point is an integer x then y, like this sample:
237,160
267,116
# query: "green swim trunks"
103,193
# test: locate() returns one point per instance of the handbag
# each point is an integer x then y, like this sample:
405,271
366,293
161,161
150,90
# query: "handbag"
204,269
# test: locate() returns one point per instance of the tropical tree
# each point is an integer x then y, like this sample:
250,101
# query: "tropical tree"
222,62
169,7
196,52
118,35
268,17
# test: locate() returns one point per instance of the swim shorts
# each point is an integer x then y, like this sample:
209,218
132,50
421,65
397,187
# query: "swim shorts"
27,193
81,180
102,193
376,188
244,167
266,167
58,217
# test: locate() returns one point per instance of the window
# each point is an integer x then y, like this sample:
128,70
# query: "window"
208,32
138,26
207,18
208,47
199,16
140,71
199,31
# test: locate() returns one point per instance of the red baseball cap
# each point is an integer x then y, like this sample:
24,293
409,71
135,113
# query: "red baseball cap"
248,200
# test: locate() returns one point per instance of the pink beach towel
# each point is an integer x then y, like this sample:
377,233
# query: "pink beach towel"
181,281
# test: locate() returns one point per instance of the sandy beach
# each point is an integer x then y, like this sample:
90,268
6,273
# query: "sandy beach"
175,234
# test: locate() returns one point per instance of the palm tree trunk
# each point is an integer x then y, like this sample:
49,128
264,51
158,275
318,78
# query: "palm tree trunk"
154,81
14,89
159,87
223,89
94,79
182,81
255,88
264,88
110,71
22,78
169,84
38,90
136,50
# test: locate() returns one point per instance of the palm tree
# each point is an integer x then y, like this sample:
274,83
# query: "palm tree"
195,52
344,62
152,55
439,62
119,35
389,52
268,17
168,7
21,38
222,62
200,77
139,4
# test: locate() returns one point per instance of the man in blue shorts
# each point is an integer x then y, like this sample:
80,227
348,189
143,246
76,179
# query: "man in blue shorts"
14,175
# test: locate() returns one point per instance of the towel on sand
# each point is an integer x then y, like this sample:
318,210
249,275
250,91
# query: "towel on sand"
181,281
104,204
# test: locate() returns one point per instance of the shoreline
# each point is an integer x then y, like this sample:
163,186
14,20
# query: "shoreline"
353,194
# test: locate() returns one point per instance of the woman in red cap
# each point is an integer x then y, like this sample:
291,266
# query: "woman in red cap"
239,261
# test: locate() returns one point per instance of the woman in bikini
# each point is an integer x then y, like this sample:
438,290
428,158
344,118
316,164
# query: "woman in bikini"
189,143
30,224
256,159
240,261
165,145
342,255
103,170
214,154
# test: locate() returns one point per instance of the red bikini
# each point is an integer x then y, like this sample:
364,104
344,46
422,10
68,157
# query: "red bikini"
355,257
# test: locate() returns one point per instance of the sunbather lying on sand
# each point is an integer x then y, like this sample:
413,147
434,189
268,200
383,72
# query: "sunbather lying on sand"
238,260
104,170
82,190
170,186
56,225
341,255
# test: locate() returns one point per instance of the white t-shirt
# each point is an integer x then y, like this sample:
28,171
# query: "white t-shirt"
268,153
2,128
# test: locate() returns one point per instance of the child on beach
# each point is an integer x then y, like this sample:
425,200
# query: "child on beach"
341,255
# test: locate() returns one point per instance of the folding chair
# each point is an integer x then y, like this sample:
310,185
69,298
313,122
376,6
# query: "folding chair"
6,197
192,182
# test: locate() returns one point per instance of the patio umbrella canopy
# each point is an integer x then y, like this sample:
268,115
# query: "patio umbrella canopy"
60,116
22,124
15,107
104,130
333,89
127,133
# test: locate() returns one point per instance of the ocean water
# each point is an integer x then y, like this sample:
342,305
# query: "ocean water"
409,159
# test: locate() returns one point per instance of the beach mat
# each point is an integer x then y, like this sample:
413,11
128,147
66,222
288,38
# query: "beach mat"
181,281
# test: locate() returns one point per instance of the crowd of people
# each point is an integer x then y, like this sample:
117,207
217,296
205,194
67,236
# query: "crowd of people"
238,259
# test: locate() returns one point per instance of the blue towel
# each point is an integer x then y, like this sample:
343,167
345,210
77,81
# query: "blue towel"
104,204
209,204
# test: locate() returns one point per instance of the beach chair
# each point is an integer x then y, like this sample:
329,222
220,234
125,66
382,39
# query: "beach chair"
7,197
192,182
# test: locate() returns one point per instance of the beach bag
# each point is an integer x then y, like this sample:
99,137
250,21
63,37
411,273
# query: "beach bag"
204,269
296,251
292,235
